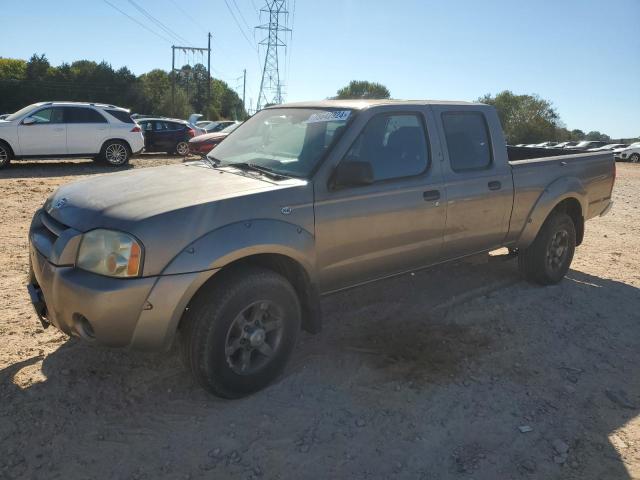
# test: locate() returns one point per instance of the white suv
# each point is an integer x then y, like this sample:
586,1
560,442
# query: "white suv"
70,129
628,154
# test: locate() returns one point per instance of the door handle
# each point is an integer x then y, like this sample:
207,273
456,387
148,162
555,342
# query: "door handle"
495,185
58,129
431,195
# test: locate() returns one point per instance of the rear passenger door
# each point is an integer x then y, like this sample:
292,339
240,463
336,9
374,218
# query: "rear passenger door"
393,225
477,181
87,130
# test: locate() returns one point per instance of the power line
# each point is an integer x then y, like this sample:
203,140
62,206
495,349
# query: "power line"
159,23
186,14
239,27
241,16
139,23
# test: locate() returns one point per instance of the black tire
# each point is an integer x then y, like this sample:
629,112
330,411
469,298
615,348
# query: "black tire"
5,155
547,260
115,153
635,158
182,149
209,341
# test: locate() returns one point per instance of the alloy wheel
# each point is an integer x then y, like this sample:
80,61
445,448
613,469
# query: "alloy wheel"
557,250
254,337
4,155
116,154
182,148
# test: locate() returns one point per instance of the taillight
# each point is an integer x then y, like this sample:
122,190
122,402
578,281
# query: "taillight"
135,129
191,132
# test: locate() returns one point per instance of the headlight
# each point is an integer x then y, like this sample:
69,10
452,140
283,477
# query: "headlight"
106,252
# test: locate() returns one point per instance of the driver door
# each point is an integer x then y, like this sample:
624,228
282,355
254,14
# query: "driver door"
46,136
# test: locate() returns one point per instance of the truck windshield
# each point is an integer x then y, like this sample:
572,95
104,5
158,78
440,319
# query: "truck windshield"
288,141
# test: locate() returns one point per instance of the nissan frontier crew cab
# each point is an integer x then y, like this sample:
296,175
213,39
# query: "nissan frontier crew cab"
231,254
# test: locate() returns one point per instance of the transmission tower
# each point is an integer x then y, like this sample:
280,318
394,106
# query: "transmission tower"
270,86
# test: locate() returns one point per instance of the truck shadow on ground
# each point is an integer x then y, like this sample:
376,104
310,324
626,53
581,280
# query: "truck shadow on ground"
453,341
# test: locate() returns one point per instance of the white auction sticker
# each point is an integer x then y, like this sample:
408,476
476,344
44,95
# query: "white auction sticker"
335,116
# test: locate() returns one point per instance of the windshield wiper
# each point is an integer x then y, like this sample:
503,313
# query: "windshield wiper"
257,168
211,161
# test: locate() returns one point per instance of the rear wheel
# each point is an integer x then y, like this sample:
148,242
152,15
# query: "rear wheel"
635,158
237,336
182,149
115,153
5,155
547,260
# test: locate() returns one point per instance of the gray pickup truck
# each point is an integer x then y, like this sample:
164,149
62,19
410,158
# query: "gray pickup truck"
232,253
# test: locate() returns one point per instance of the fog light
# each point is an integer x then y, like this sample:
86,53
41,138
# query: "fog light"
83,327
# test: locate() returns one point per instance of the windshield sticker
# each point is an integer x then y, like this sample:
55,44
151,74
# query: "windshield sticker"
335,116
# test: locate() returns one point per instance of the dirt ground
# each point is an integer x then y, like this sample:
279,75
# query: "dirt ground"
462,371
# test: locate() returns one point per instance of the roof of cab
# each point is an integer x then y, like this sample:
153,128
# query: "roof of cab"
363,104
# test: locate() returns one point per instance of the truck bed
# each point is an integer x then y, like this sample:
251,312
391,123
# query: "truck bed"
591,171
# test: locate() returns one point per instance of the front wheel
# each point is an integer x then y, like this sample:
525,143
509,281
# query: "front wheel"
237,335
115,153
547,260
635,158
5,155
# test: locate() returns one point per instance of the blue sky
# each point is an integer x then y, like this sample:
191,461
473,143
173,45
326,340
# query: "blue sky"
583,55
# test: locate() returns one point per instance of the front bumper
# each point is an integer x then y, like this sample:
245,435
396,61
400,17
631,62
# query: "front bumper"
140,313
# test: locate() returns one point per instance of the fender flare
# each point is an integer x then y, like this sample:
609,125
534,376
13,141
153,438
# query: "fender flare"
235,241
557,191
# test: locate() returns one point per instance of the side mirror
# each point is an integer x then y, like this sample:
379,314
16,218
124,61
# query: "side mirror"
29,121
352,173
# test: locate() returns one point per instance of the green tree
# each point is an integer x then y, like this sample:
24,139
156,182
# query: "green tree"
525,118
595,135
13,68
362,89
22,83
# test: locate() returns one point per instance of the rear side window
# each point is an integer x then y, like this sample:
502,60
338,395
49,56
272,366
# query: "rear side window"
467,140
82,115
124,117
395,145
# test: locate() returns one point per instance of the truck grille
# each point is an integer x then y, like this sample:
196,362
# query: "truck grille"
45,233
52,225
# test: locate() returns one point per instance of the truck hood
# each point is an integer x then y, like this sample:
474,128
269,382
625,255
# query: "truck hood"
169,207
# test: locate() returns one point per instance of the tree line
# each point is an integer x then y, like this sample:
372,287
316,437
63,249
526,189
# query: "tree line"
23,82
525,118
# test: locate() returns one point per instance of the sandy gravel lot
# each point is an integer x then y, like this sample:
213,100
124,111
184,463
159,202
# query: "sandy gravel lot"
457,372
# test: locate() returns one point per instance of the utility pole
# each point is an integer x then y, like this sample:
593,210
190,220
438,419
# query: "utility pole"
244,90
209,72
173,80
270,86
173,70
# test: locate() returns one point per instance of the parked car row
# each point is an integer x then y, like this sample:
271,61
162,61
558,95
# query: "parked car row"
621,151
103,132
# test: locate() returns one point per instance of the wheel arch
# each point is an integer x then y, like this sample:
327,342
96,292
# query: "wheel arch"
104,144
12,152
566,194
289,268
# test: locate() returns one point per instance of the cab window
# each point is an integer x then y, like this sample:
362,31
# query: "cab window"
394,144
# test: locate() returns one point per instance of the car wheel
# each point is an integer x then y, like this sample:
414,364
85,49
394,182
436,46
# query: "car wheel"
5,155
237,336
635,158
182,149
547,260
115,153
